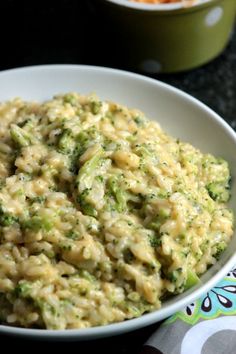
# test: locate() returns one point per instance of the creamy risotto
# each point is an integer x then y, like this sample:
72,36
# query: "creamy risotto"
102,214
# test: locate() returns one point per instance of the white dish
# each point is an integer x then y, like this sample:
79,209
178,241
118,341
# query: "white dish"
155,7
178,113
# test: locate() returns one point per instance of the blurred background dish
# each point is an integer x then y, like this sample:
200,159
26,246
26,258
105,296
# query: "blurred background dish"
172,37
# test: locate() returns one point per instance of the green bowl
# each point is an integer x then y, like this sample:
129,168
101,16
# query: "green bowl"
168,37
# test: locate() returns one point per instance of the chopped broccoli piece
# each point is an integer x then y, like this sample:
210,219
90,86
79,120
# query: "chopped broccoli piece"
218,192
209,160
155,225
39,199
143,150
118,194
82,140
81,143
7,219
158,220
163,213
85,180
73,235
217,175
132,138
22,289
136,309
28,122
192,279
174,275
100,178
20,136
86,275
87,138
219,250
85,176
66,142
85,206
139,121
65,246
154,240
37,223
95,106
69,98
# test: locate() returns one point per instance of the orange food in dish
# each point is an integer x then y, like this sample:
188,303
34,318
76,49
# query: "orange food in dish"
156,1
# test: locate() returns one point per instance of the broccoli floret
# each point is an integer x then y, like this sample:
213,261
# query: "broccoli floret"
218,192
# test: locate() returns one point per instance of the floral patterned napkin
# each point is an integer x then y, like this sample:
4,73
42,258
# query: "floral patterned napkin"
206,326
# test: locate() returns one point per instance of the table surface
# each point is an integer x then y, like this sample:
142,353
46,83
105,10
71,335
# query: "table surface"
62,31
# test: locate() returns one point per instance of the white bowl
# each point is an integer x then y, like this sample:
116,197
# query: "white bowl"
179,114
156,7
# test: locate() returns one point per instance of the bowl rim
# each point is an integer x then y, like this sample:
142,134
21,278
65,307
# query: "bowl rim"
158,315
158,7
